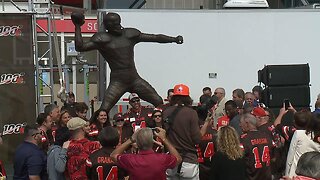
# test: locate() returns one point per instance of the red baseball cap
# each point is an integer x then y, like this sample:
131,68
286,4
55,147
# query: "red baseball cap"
181,90
259,112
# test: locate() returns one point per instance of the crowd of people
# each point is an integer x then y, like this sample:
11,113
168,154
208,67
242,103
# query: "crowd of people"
219,139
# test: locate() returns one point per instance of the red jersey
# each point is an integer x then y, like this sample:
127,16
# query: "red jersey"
78,152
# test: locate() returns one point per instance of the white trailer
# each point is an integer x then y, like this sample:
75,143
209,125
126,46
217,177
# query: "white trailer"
234,44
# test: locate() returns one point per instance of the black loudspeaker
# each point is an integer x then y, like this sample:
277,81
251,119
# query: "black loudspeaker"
297,95
285,75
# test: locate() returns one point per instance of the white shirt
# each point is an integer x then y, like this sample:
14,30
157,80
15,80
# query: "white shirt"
220,111
300,144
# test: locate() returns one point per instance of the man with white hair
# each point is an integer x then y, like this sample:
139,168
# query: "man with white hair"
146,164
220,111
264,124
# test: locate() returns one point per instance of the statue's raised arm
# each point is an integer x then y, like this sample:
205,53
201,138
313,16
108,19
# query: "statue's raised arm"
78,20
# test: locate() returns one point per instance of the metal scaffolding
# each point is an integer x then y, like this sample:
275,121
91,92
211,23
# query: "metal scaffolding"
43,60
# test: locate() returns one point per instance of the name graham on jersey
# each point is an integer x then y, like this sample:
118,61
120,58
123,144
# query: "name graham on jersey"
259,141
104,160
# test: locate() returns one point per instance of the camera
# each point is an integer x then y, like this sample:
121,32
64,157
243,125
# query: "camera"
155,130
206,103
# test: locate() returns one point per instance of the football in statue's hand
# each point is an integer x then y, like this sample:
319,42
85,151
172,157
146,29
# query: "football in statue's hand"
77,18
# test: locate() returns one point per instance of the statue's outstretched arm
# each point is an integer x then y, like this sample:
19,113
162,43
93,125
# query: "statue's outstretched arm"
160,38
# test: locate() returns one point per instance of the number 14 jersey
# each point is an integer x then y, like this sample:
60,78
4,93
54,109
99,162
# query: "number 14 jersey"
257,150
101,167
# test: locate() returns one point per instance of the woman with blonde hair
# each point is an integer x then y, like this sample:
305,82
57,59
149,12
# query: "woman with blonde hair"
228,162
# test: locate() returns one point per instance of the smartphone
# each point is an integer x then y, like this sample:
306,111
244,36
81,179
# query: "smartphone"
286,103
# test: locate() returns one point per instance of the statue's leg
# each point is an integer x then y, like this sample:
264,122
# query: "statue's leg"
112,94
147,92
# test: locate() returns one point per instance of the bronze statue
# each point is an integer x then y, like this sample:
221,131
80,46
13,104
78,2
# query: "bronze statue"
116,46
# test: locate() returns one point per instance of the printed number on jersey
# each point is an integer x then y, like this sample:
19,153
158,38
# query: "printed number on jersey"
208,153
112,175
264,158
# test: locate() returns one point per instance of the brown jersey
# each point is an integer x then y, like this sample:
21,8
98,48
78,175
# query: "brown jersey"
206,147
286,131
257,150
269,129
205,151
100,166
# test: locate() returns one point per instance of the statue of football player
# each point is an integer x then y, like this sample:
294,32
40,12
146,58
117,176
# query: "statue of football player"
116,45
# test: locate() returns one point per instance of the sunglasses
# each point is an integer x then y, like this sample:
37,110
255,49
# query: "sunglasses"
155,116
135,101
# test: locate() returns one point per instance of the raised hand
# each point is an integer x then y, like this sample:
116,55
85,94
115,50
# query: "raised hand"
161,133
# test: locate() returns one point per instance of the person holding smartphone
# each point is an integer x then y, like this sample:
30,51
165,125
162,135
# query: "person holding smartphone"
157,121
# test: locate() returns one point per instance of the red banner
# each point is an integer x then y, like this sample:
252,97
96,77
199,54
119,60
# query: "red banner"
90,26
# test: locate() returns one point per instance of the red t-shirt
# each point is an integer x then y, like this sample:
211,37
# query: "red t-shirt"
78,152
147,164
